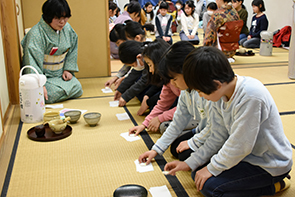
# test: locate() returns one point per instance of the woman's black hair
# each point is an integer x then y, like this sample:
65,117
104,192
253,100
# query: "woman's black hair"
227,1
151,13
132,29
212,6
55,8
190,4
258,3
129,50
112,6
204,65
118,33
134,7
179,1
117,12
154,51
173,60
243,6
164,5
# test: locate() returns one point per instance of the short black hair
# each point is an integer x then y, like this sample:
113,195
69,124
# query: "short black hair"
112,6
154,51
258,3
117,33
134,7
133,29
204,65
164,5
212,6
55,8
173,59
129,50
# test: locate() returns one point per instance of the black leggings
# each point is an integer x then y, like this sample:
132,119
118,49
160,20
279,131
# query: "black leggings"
185,154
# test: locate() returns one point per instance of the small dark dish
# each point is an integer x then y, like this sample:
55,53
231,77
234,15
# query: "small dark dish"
130,190
40,130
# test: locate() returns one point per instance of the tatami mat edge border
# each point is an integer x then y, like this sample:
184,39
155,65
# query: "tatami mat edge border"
11,161
173,180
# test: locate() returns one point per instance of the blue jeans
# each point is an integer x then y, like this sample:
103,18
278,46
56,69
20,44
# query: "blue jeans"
242,36
251,43
241,180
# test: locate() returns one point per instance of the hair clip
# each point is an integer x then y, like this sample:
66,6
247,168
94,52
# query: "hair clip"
124,23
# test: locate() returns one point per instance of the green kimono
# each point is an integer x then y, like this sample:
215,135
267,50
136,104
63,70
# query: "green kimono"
51,53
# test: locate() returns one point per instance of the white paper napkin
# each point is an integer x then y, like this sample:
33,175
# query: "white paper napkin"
123,116
114,103
161,191
107,90
143,168
129,138
54,106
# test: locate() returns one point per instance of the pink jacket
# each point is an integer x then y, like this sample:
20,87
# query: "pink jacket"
167,97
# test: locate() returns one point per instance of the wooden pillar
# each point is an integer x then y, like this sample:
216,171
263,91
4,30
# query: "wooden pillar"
11,47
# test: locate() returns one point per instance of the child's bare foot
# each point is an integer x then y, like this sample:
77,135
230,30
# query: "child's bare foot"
142,108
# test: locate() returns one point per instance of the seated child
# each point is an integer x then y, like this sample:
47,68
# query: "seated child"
136,83
179,11
51,47
190,105
150,18
211,7
243,14
120,33
247,153
190,24
259,24
163,23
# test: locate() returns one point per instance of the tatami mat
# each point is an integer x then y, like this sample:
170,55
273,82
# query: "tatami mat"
93,161
92,87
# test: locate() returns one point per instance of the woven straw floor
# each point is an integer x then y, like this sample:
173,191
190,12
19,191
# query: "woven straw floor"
94,161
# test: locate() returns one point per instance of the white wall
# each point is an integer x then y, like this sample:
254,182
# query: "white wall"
4,96
279,13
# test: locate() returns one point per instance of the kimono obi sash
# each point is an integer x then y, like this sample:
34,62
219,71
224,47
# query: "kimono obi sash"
54,62
230,31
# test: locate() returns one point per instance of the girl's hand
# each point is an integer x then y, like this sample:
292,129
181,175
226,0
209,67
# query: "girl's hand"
122,102
201,177
191,36
147,157
118,82
249,37
175,166
45,93
154,124
182,146
67,75
136,129
117,95
143,106
111,81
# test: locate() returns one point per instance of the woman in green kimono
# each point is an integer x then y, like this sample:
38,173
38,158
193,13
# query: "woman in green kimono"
51,47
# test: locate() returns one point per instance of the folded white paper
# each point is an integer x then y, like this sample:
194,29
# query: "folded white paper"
54,106
143,168
123,116
107,90
161,191
129,138
114,103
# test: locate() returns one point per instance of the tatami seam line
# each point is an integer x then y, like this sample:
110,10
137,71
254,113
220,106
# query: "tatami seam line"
173,180
11,161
